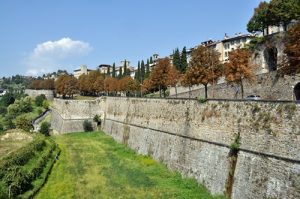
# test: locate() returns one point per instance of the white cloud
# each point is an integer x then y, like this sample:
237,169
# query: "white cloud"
50,55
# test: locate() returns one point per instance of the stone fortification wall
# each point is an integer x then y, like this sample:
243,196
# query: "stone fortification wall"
33,93
69,115
268,86
198,139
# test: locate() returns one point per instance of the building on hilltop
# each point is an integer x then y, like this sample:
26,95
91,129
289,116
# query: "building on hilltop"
82,70
103,68
226,45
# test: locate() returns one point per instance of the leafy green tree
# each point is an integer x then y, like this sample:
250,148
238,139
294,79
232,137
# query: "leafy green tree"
147,69
260,19
125,69
183,60
108,71
120,73
87,126
283,12
143,72
45,104
176,59
137,75
7,99
45,128
114,70
40,99
23,122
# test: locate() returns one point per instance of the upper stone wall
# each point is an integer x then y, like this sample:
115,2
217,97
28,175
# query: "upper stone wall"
34,93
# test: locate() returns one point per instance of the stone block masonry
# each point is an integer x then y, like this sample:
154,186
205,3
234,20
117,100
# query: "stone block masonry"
34,93
198,139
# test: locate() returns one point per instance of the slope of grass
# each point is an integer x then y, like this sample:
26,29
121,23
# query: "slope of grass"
23,171
92,165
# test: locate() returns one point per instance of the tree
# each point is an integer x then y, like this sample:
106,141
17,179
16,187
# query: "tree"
125,68
114,70
137,75
183,61
40,99
159,75
205,68
71,86
99,85
68,85
83,84
120,73
239,68
23,122
176,59
283,12
87,126
143,72
45,128
291,65
108,71
173,78
128,85
260,19
151,60
147,69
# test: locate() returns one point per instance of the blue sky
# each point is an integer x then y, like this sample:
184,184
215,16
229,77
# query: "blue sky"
40,36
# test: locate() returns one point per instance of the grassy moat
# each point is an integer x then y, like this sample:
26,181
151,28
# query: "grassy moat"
93,165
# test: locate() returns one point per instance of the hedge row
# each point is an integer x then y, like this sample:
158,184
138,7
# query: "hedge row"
18,171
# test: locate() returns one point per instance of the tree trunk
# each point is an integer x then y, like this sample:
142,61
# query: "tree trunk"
176,91
242,89
189,91
205,86
159,92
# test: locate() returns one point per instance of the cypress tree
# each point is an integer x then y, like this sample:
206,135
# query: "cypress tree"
176,59
120,73
114,70
183,61
138,73
151,60
147,69
125,72
142,71
108,71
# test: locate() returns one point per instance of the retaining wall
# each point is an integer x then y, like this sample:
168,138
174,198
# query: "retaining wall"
34,93
196,139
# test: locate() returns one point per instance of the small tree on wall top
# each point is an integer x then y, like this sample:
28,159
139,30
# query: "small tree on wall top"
239,68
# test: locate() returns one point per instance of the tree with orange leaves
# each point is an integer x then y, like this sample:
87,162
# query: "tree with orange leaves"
173,78
239,68
66,85
99,85
128,85
291,65
159,75
205,67
111,85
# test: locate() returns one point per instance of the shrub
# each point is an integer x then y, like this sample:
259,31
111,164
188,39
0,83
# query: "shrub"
87,126
45,127
22,122
97,119
40,99
3,110
45,104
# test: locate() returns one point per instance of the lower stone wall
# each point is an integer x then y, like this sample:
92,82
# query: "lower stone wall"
197,139
34,93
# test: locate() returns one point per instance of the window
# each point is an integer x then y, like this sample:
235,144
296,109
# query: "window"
226,54
232,42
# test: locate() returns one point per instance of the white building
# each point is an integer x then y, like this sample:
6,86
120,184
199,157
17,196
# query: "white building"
82,70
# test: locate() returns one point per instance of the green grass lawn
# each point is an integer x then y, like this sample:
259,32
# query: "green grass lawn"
93,165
